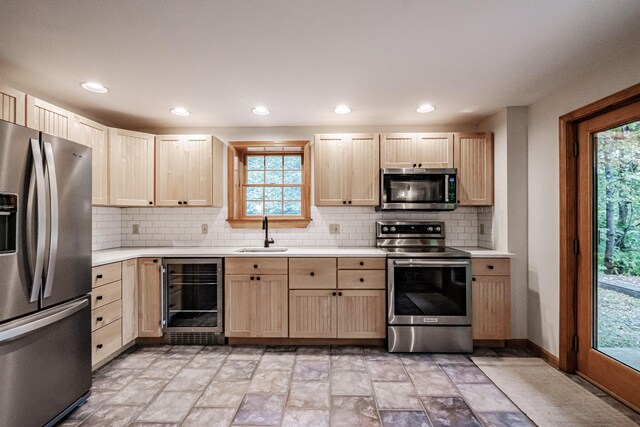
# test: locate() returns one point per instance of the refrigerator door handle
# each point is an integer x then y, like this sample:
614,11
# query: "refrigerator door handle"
53,238
18,328
40,201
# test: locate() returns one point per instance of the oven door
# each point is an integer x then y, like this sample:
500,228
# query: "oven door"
418,189
429,291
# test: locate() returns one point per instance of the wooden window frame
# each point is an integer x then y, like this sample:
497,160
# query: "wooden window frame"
237,152
569,217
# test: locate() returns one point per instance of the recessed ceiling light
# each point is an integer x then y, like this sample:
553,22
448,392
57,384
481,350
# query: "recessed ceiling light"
342,109
94,87
260,110
426,108
180,111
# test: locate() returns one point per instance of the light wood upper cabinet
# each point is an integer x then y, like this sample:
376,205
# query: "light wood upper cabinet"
129,301
49,118
346,170
12,105
131,166
149,298
421,150
185,170
96,136
474,160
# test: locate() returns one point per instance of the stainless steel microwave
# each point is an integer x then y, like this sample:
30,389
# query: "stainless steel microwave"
418,189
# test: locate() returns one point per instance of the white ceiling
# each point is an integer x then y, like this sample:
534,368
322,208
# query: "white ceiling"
301,58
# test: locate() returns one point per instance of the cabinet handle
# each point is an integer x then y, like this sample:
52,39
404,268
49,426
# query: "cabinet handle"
361,279
361,262
334,294
99,346
490,267
344,202
99,319
339,294
99,276
99,297
258,278
150,203
313,274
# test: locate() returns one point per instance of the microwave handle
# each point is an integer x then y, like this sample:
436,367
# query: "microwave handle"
446,188
431,263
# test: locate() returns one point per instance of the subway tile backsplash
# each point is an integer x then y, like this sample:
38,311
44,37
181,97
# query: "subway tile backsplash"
113,227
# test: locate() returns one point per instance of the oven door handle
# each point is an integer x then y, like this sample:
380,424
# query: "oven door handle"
433,263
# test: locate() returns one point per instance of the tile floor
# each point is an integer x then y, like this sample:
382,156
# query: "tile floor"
294,386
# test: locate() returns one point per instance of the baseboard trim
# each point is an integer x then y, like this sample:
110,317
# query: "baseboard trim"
543,354
307,341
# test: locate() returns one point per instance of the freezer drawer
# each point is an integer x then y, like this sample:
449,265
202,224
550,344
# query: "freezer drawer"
45,364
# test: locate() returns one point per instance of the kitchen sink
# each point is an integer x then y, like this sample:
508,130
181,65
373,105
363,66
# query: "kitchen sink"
264,250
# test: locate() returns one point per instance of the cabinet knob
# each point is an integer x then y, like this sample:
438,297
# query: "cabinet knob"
361,262
419,165
150,203
490,267
99,276
349,201
99,297
185,202
255,265
334,294
361,279
339,294
99,346
414,165
179,203
344,202
252,277
313,274
155,261
99,319
473,279
258,278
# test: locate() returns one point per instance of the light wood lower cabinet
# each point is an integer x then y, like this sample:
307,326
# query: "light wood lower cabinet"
312,314
149,298
491,298
129,301
256,305
361,314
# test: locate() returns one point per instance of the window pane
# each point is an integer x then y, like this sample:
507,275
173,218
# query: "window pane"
273,177
292,193
274,163
254,193
273,193
293,162
255,163
292,208
254,208
256,177
292,177
273,208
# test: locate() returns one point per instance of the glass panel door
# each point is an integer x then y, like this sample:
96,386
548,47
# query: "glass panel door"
192,295
616,287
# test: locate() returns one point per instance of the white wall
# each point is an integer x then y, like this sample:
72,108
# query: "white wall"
543,187
510,207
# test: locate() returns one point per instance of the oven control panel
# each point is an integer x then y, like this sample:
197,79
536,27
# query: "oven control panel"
410,229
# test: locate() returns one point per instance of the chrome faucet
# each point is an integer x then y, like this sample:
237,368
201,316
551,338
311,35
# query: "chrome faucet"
265,227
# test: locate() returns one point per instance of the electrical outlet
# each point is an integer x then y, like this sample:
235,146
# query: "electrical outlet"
334,228
205,228
136,228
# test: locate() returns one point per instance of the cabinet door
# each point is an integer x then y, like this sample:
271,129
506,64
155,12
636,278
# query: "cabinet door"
398,150
474,160
131,168
312,314
95,135
149,298
129,301
170,170
49,118
217,170
434,150
364,170
272,306
239,305
362,314
12,105
199,170
491,307
330,154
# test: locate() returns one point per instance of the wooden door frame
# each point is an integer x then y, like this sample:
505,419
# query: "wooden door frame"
569,216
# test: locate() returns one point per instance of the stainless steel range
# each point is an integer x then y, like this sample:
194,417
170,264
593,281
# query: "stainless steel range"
428,286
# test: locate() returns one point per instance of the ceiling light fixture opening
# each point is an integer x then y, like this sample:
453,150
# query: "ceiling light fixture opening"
260,110
342,109
180,111
426,108
94,87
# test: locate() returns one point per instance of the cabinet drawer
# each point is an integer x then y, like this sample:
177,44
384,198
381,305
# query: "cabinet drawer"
105,315
106,294
490,267
103,274
255,265
105,341
361,263
312,273
361,279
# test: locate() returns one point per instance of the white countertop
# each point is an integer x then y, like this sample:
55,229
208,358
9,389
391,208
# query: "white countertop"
120,254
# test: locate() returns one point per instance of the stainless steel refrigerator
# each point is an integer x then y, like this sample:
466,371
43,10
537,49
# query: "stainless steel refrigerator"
45,276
